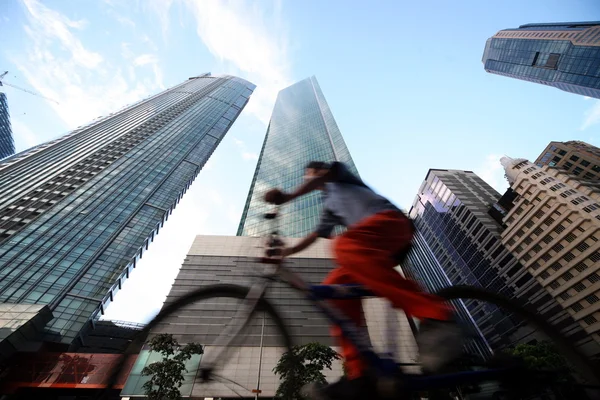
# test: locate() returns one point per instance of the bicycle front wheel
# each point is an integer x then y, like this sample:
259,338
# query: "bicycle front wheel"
583,367
200,317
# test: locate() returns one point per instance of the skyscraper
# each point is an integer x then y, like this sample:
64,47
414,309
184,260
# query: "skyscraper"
563,55
578,158
76,213
422,266
302,129
553,228
451,213
7,144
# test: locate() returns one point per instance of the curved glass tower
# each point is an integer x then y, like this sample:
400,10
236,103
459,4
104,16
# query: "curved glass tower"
76,212
302,129
7,144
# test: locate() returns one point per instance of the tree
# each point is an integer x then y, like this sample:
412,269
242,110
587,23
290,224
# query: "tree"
542,356
167,374
303,365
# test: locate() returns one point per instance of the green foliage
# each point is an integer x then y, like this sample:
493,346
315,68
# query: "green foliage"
303,365
167,374
539,356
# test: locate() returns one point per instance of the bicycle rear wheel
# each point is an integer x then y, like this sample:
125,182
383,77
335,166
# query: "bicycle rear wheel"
201,316
584,368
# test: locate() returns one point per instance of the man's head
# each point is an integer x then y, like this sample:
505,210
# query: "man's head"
315,169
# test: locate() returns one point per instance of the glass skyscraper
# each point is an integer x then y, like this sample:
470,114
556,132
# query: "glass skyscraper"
451,213
77,212
564,55
7,144
302,129
422,266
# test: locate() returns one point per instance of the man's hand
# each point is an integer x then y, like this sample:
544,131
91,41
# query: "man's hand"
282,252
277,197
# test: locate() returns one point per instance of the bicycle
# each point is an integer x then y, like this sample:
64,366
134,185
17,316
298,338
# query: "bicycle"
391,381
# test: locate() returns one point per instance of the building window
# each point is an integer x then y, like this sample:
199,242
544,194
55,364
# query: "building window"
579,287
538,231
539,214
527,240
595,257
547,239
533,266
544,275
568,165
554,285
546,257
581,266
526,257
529,224
569,257
562,152
537,248
574,158
549,221
592,298
558,247
577,307
559,228
590,320
520,233
585,163
570,237
583,246
567,276
564,295
593,278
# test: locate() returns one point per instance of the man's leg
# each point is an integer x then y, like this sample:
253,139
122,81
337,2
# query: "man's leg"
365,253
352,308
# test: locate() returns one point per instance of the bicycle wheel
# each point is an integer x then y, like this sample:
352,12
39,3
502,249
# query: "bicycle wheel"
580,364
216,305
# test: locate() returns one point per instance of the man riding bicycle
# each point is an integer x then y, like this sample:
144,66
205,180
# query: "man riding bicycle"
365,254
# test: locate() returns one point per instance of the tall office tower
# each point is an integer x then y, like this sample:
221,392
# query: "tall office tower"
563,55
232,259
553,228
76,213
578,158
7,144
302,129
422,266
451,211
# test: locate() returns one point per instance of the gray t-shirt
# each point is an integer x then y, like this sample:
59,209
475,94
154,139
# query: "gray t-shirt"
347,201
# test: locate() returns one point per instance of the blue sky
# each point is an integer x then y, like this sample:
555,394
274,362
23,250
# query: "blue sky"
404,81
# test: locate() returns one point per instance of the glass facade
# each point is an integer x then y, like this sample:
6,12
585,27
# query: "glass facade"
566,56
451,213
7,144
302,129
422,266
76,213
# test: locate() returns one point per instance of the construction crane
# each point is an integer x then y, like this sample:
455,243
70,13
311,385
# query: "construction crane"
2,83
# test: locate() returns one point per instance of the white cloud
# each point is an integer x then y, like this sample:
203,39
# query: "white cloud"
58,65
246,155
145,59
592,116
492,172
249,42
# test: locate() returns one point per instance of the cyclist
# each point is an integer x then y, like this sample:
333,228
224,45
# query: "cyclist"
365,254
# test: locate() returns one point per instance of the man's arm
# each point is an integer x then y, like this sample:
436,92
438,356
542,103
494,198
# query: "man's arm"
276,196
303,244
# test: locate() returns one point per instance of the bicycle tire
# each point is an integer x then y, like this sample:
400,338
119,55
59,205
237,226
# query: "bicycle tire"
203,293
581,363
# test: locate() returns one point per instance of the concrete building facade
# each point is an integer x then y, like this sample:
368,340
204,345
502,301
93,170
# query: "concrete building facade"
578,158
232,259
553,228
